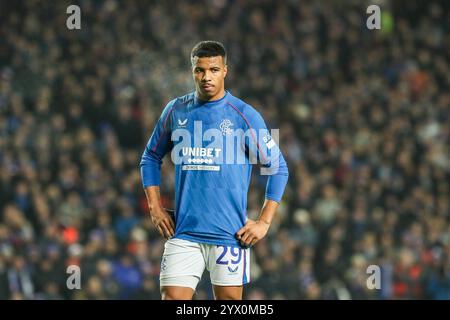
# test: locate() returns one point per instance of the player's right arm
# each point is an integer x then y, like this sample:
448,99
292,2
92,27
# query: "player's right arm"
157,147
160,218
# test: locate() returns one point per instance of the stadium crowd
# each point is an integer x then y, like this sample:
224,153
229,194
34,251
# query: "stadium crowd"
364,119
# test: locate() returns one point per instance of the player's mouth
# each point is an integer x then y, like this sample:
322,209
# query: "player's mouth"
207,86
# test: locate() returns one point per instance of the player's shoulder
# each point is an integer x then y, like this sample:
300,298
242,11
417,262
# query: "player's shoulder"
184,101
181,102
175,105
244,108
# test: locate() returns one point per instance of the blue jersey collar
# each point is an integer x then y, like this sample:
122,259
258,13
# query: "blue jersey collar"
202,102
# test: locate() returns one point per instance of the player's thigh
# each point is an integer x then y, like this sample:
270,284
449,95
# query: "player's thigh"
182,267
176,293
229,268
228,292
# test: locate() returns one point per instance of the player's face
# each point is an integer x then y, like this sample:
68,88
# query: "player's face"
209,76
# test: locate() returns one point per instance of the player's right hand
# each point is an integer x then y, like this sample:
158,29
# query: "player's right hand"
163,223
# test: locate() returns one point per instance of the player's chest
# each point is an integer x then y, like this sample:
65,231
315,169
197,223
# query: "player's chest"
213,122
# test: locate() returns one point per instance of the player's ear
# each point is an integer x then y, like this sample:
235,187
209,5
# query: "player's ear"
225,71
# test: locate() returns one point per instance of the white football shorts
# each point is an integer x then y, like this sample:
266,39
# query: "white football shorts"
183,263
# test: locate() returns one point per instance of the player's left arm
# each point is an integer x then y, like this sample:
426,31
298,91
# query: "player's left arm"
253,231
262,146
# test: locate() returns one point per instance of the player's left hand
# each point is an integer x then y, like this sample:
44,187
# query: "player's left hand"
252,232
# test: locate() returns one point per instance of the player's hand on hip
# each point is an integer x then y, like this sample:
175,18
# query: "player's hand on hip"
163,222
252,232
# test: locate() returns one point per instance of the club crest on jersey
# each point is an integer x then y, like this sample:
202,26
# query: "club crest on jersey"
182,123
225,127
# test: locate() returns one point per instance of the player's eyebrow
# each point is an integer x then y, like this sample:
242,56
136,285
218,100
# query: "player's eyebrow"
212,68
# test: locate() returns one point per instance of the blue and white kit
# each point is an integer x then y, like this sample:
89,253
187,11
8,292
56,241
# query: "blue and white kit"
213,145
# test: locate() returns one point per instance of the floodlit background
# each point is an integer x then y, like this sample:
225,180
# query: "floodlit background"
364,119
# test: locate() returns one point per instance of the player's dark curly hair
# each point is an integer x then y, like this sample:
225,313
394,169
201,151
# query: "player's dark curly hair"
209,49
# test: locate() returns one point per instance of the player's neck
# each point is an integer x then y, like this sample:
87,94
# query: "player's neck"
216,97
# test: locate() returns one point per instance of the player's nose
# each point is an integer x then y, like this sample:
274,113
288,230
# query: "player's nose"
206,76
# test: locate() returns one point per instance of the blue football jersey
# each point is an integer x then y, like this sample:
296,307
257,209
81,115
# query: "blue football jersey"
213,145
